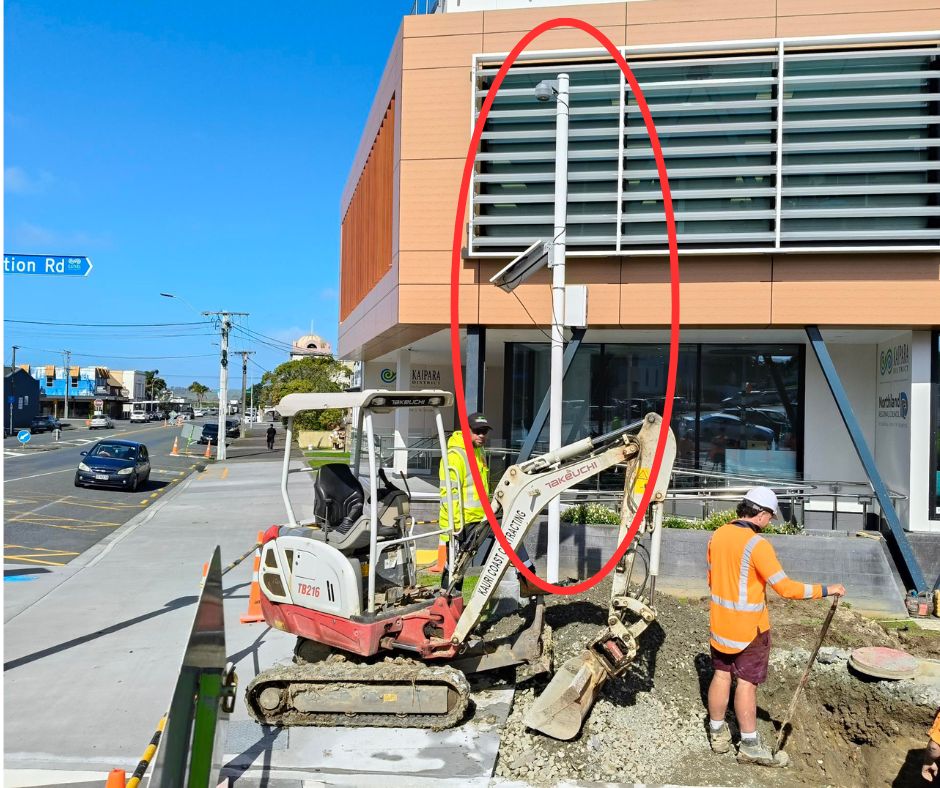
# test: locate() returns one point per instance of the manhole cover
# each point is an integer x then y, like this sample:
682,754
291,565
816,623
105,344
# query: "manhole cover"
884,663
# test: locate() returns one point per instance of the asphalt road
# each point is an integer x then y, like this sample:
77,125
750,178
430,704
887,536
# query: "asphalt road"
48,521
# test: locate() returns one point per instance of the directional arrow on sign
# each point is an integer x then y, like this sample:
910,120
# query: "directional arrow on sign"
46,264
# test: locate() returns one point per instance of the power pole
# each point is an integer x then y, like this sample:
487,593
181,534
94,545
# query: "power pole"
225,321
13,386
244,354
68,362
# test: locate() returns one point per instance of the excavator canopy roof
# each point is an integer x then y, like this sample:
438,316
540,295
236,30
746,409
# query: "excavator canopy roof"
373,399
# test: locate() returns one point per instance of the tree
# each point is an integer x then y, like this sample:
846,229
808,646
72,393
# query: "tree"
313,373
155,385
198,390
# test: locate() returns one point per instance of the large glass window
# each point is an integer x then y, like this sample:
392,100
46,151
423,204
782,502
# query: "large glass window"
737,409
935,429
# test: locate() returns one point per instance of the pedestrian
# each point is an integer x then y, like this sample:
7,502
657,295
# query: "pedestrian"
741,563
270,434
932,753
468,516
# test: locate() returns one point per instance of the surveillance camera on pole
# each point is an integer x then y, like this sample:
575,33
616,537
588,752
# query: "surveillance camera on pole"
531,260
546,89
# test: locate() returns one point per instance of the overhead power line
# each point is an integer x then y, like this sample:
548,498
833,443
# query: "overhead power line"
103,325
112,355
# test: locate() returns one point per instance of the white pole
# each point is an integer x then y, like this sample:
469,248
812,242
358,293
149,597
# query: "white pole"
68,363
223,389
558,311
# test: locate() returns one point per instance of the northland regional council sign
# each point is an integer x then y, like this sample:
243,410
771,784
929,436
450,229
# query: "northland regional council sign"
46,264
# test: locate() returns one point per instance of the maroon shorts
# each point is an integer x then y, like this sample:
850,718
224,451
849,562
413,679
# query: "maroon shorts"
750,664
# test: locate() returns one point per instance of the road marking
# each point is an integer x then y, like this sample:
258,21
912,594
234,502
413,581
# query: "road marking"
32,556
153,495
37,475
8,453
224,472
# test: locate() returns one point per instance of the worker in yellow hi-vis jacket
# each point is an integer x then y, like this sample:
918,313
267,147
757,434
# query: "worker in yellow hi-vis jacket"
468,514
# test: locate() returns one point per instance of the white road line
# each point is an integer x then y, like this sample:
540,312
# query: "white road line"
36,475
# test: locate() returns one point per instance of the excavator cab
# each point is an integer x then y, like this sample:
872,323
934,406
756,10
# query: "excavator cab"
356,554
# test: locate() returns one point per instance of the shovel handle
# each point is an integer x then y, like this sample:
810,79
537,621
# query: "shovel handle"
809,665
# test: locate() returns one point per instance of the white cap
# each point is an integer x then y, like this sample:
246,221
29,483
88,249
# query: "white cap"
763,497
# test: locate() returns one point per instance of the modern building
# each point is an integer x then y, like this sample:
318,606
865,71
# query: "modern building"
802,144
89,390
20,398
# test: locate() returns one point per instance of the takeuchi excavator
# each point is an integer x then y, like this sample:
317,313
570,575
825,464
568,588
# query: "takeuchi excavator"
376,648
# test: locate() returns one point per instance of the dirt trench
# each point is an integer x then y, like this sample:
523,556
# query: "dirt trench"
650,725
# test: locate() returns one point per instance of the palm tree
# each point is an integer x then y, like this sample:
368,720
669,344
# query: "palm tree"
198,390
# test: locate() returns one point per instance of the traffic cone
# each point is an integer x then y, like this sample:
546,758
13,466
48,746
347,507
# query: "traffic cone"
115,779
254,613
208,454
441,559
176,447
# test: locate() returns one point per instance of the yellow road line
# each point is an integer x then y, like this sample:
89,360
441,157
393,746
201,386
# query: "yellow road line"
224,472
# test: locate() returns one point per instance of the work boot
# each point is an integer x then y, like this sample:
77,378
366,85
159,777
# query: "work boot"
437,568
720,740
755,752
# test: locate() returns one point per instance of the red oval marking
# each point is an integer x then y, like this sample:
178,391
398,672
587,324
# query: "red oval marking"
483,494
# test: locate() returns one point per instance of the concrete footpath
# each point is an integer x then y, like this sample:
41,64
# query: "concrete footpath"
93,649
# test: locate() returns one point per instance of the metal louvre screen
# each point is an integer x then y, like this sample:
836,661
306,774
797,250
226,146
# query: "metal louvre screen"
776,149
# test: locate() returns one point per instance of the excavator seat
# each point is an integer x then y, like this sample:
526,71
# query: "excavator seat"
339,510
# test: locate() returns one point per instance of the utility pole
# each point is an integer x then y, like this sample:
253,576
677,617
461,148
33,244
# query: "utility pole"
13,386
244,354
68,363
225,321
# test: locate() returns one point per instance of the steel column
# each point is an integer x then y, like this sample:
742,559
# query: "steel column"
476,362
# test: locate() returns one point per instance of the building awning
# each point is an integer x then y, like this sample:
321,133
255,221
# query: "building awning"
113,381
73,371
50,371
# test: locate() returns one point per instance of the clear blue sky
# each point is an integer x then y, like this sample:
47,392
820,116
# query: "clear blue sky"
193,148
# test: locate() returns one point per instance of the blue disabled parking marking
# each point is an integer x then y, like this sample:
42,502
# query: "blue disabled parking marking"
18,578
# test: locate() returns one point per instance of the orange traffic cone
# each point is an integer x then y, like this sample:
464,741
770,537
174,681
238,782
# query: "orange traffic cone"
208,454
115,779
176,448
254,613
441,560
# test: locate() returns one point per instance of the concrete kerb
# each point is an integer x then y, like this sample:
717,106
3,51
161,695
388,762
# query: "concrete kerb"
46,584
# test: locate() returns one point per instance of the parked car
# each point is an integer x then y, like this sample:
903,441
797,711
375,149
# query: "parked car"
198,413
100,422
157,415
45,424
114,463
232,429
211,430
140,416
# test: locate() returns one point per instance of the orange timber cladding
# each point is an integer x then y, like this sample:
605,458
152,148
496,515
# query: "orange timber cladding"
366,246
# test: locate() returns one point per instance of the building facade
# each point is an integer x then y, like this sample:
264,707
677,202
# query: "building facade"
20,399
82,387
802,144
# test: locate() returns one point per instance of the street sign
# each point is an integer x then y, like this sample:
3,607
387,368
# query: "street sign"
99,405
23,436
46,265
11,399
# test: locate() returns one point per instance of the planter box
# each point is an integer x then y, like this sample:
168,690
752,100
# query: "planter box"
863,565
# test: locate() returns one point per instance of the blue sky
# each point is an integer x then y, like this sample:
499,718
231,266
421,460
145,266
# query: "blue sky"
193,148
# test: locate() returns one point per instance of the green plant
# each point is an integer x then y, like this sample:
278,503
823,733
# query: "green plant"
590,514
715,520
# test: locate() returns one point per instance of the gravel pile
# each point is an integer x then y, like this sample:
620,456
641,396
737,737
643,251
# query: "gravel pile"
647,731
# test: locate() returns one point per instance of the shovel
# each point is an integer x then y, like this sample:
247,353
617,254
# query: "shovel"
809,665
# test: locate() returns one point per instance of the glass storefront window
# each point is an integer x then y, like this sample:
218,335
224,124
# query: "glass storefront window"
934,486
737,408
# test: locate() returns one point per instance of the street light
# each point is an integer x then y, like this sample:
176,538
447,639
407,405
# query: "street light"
180,298
544,92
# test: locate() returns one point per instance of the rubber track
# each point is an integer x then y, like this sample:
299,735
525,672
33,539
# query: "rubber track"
397,670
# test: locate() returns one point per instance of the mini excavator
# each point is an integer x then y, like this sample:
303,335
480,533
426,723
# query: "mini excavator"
376,648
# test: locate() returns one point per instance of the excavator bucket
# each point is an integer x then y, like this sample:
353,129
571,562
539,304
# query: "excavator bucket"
560,710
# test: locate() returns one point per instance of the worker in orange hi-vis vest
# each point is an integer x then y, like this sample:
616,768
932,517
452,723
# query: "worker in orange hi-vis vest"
932,753
741,563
